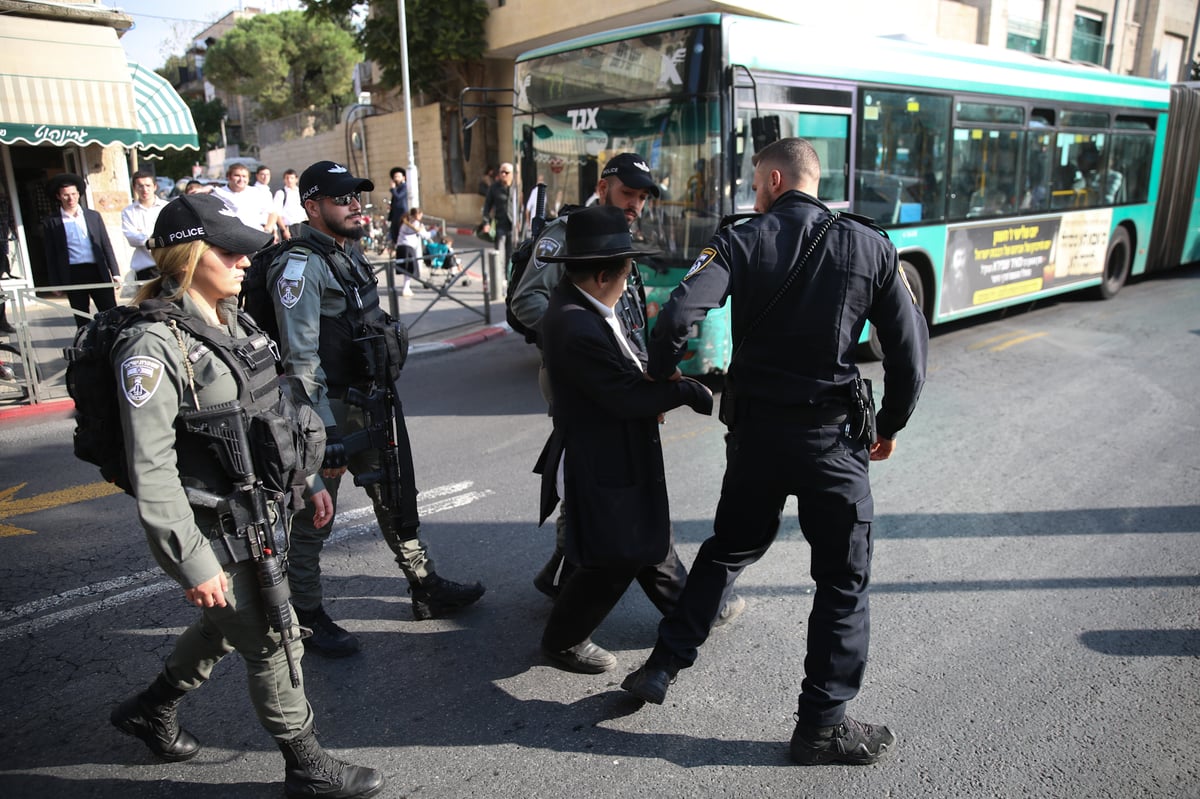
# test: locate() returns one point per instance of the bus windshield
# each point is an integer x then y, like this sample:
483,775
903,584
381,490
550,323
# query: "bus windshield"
653,95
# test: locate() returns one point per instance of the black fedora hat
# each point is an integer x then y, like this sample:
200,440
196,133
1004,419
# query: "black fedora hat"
65,179
596,233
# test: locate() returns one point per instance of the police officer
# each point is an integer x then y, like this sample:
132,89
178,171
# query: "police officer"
163,371
625,183
794,429
325,296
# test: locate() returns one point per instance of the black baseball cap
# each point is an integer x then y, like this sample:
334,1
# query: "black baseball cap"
194,217
632,170
330,179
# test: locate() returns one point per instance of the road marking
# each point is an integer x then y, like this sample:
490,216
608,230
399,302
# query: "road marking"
1015,341
53,499
447,497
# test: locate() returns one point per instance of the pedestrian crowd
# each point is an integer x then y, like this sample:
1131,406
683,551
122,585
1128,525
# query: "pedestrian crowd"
800,419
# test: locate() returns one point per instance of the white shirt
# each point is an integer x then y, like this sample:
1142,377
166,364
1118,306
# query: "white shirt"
252,206
288,206
137,223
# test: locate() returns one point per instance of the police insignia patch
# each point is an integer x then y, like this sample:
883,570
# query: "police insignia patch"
140,378
547,246
289,291
703,260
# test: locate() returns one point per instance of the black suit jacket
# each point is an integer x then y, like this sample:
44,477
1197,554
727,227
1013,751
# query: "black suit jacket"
59,270
605,419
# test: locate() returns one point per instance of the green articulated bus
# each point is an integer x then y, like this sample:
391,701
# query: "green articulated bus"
1001,177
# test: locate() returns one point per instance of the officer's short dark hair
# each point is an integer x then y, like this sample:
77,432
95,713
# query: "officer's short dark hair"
396,170
795,159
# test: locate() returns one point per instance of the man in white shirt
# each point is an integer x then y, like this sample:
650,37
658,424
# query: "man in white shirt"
289,211
252,206
137,223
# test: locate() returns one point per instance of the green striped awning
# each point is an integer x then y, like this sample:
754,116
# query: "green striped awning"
163,118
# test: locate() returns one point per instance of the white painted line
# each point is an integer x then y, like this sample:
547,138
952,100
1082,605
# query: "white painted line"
446,497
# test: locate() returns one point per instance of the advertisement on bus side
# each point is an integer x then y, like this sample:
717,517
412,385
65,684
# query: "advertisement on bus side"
988,263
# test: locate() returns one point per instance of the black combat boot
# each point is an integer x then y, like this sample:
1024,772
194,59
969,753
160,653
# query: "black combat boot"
328,638
152,716
433,596
311,771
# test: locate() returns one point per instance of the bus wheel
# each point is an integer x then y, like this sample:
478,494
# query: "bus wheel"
871,349
1116,265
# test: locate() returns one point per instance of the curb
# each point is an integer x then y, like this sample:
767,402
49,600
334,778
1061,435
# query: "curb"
66,407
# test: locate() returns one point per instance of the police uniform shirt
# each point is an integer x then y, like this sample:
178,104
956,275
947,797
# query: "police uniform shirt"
152,382
803,352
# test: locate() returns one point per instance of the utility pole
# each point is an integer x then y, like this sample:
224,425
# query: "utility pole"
414,190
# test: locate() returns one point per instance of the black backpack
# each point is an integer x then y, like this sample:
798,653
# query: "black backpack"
92,383
521,257
255,298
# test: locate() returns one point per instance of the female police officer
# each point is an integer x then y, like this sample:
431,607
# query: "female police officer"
166,373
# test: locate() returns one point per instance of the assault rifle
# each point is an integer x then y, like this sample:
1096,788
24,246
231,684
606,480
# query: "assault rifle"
243,515
385,431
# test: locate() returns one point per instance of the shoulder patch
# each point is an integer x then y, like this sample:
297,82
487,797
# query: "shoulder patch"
703,260
547,245
140,378
289,290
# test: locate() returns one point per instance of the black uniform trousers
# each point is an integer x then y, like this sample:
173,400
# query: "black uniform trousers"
589,595
772,453
81,299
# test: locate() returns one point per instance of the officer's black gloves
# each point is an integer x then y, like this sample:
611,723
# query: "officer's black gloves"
335,449
696,396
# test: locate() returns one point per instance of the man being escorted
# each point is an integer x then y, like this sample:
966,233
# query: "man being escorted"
325,296
795,428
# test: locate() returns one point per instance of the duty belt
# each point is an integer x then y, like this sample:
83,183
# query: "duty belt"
817,416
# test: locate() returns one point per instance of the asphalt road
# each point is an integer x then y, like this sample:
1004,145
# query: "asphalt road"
1036,618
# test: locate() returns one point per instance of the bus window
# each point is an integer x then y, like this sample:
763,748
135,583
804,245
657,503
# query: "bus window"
1129,162
984,175
1078,168
829,135
1036,193
900,176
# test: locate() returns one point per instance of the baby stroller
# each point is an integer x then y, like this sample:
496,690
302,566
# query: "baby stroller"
441,258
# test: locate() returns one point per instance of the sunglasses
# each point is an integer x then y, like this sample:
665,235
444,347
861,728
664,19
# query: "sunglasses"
344,199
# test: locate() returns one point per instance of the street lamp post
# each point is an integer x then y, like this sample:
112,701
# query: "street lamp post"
411,174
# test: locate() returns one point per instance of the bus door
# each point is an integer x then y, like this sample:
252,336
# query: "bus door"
817,111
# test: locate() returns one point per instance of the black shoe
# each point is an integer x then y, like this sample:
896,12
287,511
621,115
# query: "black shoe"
649,683
850,742
733,607
153,716
435,597
585,658
311,771
327,637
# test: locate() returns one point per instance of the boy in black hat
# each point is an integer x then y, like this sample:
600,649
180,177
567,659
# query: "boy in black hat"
604,458
78,250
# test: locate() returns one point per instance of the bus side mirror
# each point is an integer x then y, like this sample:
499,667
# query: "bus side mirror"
764,131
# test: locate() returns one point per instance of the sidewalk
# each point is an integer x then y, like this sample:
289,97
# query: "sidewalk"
439,319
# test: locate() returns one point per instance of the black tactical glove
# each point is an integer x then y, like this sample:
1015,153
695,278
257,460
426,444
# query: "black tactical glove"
696,396
335,450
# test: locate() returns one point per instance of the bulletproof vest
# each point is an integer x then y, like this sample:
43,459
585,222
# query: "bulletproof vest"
341,358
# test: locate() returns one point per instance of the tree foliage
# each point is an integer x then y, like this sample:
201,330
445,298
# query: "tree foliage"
285,62
446,39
